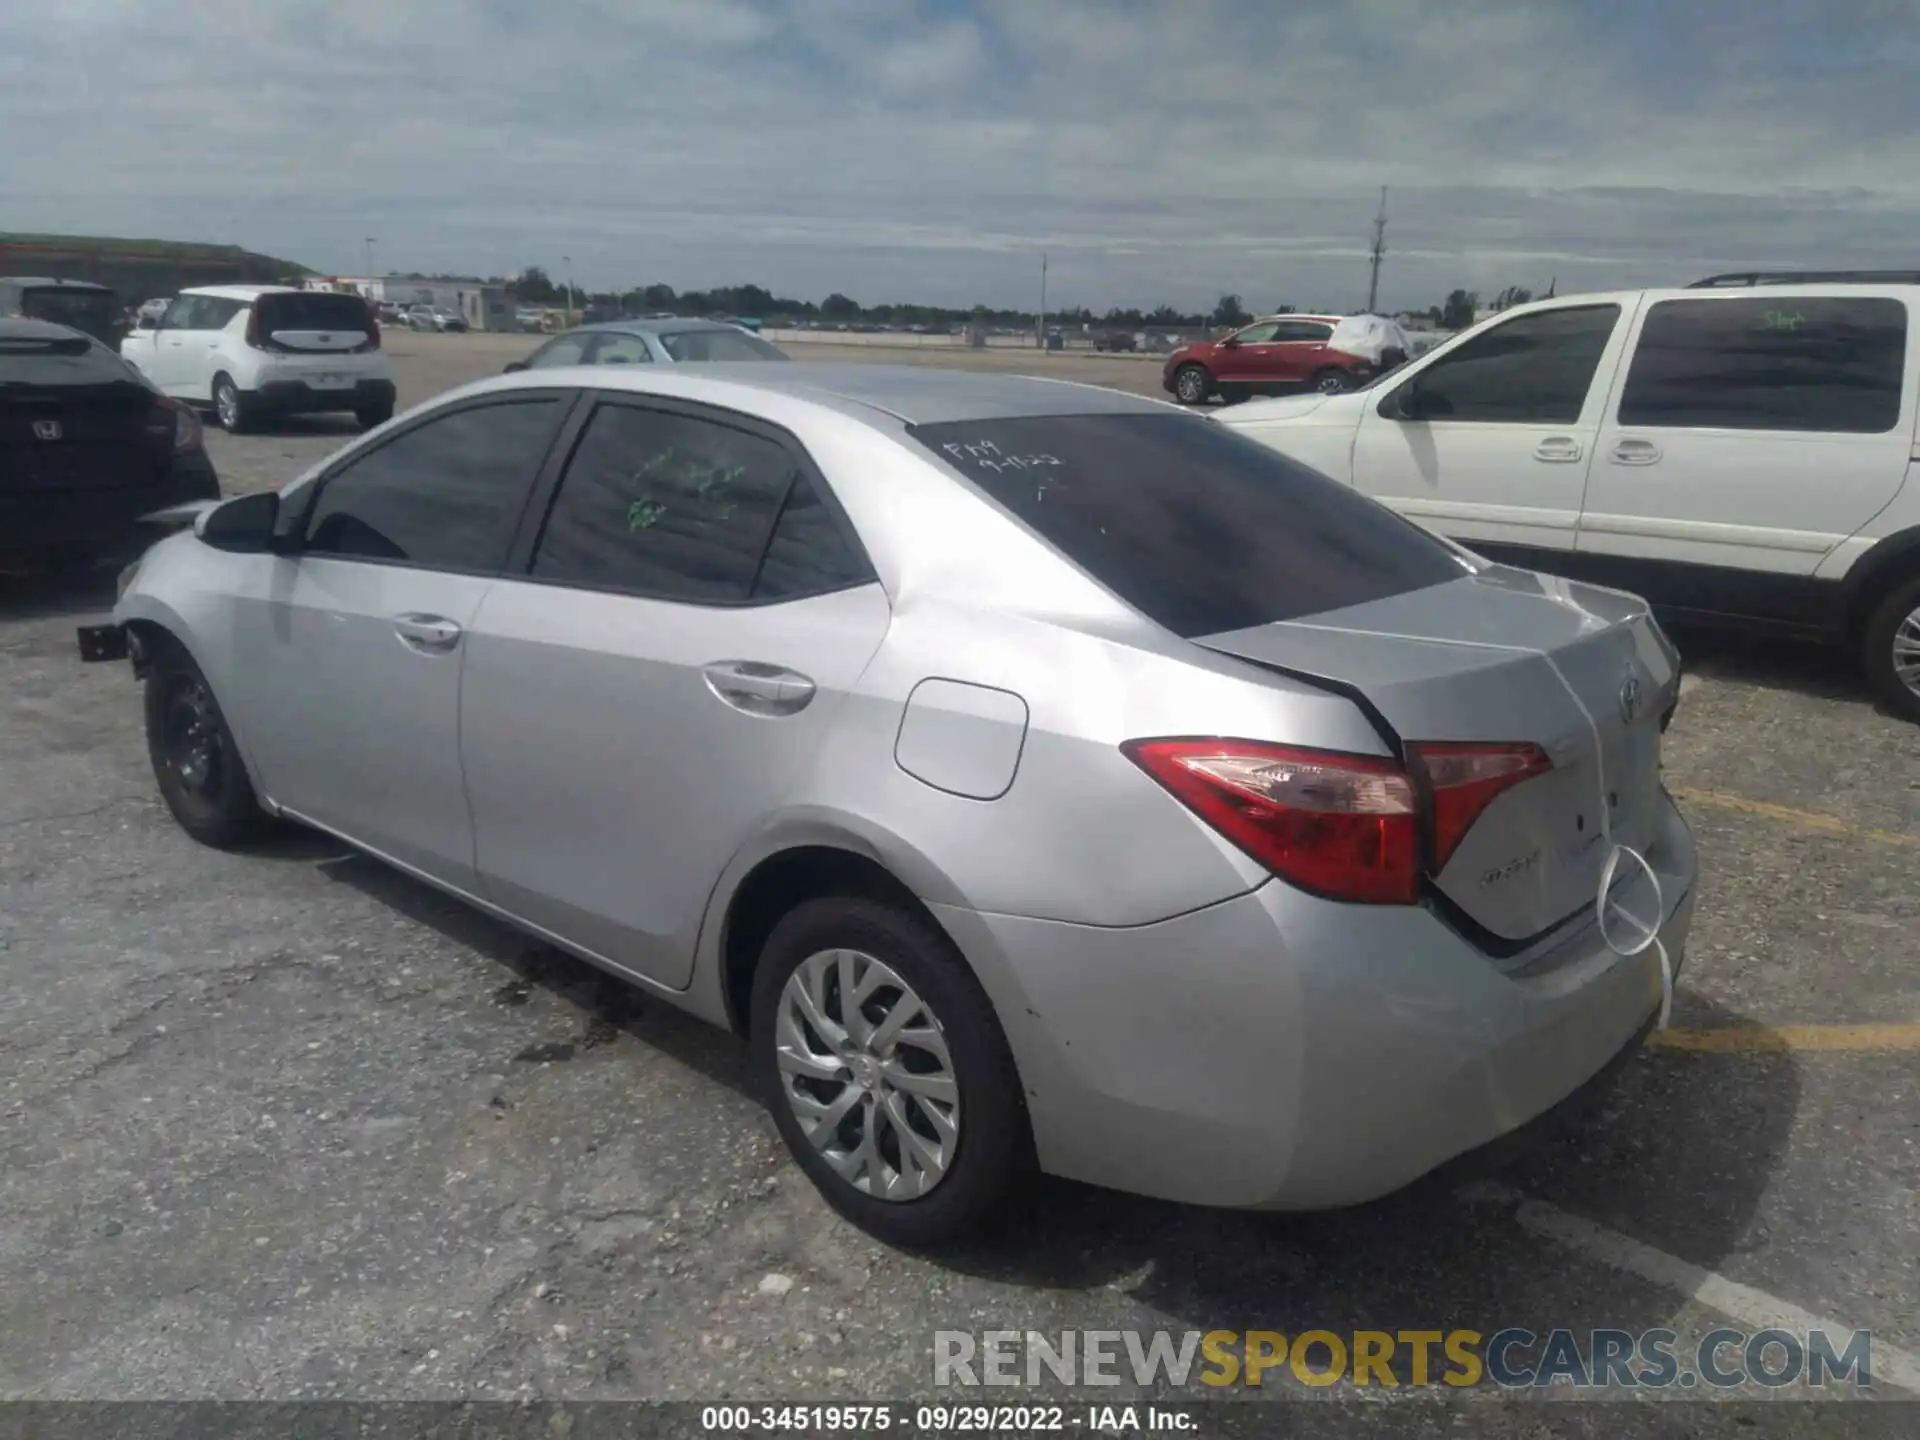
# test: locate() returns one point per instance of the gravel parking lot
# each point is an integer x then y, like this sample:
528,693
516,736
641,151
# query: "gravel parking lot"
287,1124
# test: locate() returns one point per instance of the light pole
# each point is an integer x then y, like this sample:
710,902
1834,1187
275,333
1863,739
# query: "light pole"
1041,338
567,260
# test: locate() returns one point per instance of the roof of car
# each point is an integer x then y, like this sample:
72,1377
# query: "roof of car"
248,292
910,394
49,280
38,330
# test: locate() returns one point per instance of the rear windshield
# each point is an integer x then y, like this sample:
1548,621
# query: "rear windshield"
83,309
695,347
311,310
1199,529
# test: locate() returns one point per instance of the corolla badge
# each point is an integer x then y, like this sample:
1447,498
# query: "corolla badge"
1633,699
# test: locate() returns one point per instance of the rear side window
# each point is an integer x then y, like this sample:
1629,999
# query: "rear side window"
444,495
676,507
1530,370
1308,330
1770,363
1199,529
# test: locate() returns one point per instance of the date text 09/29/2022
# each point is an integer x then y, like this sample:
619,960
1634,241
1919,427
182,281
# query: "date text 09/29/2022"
947,1419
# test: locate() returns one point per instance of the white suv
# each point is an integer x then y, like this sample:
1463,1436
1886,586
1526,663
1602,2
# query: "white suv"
1739,452
251,351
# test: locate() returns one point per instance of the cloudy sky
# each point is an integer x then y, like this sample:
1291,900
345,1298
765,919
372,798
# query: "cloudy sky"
1156,150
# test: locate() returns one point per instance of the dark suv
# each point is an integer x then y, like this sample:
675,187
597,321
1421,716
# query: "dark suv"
78,304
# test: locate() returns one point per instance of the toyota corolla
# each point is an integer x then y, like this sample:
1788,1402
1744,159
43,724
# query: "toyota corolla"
1034,775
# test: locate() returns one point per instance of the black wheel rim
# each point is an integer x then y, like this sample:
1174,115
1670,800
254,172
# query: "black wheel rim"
191,741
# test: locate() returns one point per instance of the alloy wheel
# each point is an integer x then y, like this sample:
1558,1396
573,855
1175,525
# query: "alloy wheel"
1906,651
865,1068
1191,385
226,402
191,739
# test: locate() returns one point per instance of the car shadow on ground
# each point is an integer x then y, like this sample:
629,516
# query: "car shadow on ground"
1677,1152
76,593
607,1002
338,426
1821,672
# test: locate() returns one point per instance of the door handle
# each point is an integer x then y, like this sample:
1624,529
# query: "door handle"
429,634
756,688
1558,450
1635,452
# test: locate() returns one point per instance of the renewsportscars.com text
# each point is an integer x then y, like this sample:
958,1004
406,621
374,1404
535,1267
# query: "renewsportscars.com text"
1512,1358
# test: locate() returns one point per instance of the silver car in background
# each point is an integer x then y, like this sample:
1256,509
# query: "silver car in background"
1033,773
659,340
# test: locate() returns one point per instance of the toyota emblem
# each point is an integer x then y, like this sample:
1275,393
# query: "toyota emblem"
1632,699
47,430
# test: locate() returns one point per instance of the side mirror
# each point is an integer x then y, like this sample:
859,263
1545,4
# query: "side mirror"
144,322
243,525
1404,403
514,367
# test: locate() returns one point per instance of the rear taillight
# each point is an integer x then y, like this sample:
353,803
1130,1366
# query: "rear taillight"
185,424
1348,827
1343,826
1464,779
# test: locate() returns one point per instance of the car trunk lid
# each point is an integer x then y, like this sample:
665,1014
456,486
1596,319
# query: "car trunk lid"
73,417
1489,659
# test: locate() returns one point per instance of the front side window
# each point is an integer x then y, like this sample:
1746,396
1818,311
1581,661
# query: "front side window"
1257,334
1531,370
1770,363
622,350
1198,528
567,350
444,495
681,508
184,313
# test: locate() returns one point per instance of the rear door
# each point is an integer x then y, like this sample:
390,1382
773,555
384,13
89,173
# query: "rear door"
1299,350
348,654
640,699
1489,442
1749,435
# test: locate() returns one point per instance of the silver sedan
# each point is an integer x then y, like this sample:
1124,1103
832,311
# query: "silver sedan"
1036,776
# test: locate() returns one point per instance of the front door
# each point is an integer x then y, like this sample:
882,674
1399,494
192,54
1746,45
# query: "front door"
644,699
1490,441
1750,436
1248,357
348,658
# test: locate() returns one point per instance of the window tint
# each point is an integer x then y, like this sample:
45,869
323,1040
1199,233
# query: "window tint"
444,495
1303,330
1534,369
622,350
698,347
79,308
808,554
1786,363
665,505
312,310
567,350
1197,528
1258,334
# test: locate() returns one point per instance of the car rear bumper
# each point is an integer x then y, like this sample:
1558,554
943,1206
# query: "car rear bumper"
297,397
1284,1052
34,523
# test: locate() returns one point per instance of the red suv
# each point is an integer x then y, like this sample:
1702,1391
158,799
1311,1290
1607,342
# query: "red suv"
1278,354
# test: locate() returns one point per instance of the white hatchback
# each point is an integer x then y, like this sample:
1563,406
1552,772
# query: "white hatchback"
251,351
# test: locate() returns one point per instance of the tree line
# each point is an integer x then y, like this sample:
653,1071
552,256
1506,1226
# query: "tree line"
533,286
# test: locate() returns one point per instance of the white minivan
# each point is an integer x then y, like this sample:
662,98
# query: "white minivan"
1739,454
249,352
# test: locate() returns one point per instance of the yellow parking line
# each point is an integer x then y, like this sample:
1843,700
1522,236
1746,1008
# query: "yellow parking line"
1830,824
1751,1038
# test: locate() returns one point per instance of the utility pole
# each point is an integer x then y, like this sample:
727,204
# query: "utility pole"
567,260
1379,251
370,258
1040,336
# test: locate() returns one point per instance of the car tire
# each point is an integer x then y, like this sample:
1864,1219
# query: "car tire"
374,415
1890,649
1234,394
988,1154
1192,384
1331,381
197,765
230,407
